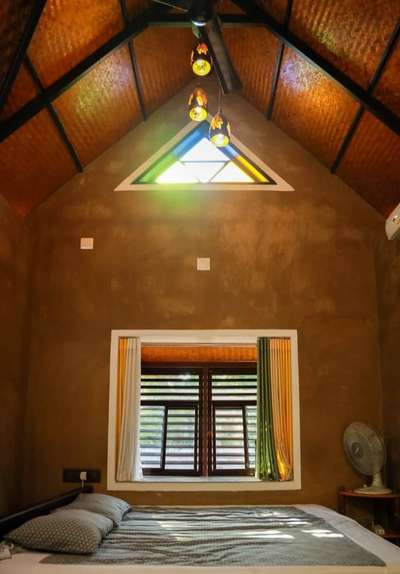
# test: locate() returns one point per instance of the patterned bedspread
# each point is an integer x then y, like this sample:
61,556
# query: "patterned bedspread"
224,536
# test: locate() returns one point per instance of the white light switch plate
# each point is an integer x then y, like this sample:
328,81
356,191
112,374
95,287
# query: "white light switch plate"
87,243
203,264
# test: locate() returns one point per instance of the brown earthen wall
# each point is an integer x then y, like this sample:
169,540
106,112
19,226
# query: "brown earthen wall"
388,280
12,330
303,260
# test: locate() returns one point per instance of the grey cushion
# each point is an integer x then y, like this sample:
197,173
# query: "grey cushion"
70,531
109,506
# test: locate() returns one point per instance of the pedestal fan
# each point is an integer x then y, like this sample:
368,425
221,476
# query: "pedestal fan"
366,451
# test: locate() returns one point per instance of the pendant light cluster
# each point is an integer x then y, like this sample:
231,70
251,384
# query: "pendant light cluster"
220,130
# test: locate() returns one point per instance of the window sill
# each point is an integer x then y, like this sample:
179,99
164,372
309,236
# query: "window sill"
199,479
196,484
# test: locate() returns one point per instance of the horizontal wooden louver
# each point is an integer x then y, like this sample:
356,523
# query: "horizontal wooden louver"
151,435
169,435
233,413
180,446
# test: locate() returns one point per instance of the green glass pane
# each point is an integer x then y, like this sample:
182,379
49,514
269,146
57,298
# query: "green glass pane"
177,173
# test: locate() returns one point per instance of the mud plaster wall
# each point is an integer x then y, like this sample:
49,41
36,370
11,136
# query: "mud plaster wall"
303,260
388,274
12,316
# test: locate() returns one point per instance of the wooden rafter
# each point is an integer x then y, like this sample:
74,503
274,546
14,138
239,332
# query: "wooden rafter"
364,97
157,16
20,53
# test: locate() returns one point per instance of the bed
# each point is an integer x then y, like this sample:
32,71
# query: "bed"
296,539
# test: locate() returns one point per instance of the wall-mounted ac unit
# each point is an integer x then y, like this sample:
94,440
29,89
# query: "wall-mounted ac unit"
392,225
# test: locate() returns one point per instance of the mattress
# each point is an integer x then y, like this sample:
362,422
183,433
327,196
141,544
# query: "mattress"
386,557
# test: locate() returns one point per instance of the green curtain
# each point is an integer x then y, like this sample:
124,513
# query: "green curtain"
266,461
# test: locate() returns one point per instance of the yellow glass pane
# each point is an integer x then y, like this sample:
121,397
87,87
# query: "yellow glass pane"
250,169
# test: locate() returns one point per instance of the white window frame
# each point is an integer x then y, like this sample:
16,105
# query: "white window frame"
198,337
127,185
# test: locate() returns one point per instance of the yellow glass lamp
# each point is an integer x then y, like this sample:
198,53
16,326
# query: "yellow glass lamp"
220,130
200,60
198,103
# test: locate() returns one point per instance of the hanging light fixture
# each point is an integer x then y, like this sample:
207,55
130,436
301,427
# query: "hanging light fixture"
198,103
220,130
200,60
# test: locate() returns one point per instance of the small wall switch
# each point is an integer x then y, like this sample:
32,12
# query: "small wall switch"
203,264
87,243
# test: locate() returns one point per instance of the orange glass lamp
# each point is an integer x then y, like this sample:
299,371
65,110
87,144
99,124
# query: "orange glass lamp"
200,60
220,130
198,104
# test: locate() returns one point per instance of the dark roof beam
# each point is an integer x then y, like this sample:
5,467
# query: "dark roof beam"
374,82
278,63
134,62
379,110
54,116
180,20
52,92
20,53
158,16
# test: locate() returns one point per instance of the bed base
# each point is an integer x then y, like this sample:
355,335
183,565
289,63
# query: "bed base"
8,523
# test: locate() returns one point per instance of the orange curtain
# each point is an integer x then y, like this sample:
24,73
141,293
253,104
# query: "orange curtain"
281,392
122,349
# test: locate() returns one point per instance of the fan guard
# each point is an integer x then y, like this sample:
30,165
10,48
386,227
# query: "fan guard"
365,449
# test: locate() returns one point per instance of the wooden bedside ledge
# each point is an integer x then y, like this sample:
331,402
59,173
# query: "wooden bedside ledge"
360,495
391,535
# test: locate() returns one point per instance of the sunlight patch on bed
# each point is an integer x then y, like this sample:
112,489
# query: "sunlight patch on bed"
330,535
266,534
296,522
322,533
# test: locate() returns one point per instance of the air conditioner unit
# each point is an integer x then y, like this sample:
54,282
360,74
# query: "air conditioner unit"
392,225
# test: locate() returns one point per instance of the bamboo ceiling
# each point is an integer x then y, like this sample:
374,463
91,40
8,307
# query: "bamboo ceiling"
61,109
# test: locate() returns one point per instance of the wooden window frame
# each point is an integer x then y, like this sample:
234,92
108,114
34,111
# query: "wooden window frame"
161,368
205,419
246,368
190,337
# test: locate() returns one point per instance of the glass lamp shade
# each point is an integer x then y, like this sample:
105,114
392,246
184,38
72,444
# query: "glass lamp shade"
200,60
198,103
220,130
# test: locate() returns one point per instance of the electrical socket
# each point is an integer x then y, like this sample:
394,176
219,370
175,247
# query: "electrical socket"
75,475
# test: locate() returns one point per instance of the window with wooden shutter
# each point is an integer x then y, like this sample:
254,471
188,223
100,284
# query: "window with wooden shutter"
198,419
233,420
169,425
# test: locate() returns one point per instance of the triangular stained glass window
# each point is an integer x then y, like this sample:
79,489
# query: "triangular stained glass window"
191,160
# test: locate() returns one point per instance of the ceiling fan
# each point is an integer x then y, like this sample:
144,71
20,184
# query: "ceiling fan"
207,27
